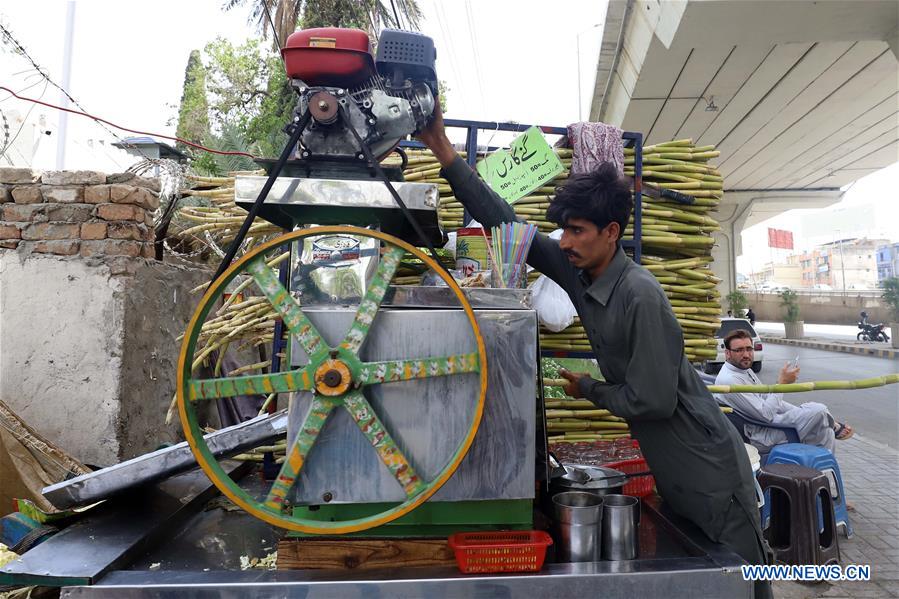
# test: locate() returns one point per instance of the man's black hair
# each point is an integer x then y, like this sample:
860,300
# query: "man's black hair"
602,197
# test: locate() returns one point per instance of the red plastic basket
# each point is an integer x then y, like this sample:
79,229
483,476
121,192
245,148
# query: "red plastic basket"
503,551
639,486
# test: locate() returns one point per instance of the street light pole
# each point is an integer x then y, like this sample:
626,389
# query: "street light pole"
577,41
842,263
63,127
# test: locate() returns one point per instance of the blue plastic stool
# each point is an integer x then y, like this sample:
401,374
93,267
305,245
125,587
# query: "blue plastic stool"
822,460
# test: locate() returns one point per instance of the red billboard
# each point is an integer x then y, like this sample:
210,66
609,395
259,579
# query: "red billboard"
778,238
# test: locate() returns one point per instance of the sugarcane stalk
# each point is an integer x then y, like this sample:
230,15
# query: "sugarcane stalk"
869,383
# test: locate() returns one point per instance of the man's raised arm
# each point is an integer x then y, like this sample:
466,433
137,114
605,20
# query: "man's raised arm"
485,205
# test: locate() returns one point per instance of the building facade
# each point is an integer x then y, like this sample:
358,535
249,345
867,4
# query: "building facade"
887,262
851,264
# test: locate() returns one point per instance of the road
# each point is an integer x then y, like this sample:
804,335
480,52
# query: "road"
822,331
873,413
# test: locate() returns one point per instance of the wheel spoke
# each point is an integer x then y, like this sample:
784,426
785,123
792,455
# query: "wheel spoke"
374,295
369,423
390,371
306,436
255,384
287,307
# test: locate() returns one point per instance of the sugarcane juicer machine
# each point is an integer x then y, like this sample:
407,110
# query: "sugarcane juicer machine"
412,409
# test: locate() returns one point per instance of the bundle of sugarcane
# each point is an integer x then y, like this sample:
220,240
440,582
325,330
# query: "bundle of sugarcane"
573,338
676,238
215,222
411,269
578,436
257,454
422,167
677,235
577,419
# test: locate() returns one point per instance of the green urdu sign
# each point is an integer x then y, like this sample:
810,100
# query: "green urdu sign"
529,163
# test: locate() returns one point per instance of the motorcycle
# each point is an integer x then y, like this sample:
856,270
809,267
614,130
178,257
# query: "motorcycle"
872,332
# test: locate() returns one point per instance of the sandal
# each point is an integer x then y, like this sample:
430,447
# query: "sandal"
843,431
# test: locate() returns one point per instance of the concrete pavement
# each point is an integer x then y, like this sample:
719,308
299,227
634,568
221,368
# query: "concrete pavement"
871,482
870,468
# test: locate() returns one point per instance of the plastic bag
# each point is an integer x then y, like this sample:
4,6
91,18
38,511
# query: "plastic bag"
554,309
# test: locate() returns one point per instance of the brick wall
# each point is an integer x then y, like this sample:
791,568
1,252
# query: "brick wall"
71,213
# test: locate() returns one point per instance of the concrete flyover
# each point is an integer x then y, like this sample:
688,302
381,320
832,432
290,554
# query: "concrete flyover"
799,96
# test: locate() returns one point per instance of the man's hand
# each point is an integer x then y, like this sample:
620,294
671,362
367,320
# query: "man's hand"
573,388
788,375
434,136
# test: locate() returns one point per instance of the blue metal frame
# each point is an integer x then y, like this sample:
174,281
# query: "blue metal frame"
630,139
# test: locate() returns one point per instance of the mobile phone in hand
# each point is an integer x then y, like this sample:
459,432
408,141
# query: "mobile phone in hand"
794,363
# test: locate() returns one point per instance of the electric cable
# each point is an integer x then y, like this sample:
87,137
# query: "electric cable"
96,118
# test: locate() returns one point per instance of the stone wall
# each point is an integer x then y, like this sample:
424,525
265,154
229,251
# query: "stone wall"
69,213
89,325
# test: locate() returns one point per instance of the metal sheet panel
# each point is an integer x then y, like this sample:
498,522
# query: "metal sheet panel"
163,463
296,201
686,578
429,417
415,296
112,535
333,193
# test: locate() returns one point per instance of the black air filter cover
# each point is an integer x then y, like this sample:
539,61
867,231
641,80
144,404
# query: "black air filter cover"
408,53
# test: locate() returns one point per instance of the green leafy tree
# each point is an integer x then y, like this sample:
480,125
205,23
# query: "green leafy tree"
250,102
193,112
370,15
737,302
247,91
788,299
266,128
891,296
237,80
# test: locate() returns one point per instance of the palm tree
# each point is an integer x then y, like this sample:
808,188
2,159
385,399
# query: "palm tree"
370,15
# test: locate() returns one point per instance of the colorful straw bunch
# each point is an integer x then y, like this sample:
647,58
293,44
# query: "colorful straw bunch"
511,243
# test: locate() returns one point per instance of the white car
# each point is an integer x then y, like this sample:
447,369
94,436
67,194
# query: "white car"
771,287
727,326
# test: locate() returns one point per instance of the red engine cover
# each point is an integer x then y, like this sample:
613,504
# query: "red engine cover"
329,56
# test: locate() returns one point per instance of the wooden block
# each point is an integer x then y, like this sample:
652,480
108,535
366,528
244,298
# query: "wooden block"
350,554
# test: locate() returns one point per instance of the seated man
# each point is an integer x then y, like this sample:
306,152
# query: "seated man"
811,420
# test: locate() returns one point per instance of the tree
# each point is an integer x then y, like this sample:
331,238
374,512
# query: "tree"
891,297
249,98
193,113
237,81
370,15
737,301
789,300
